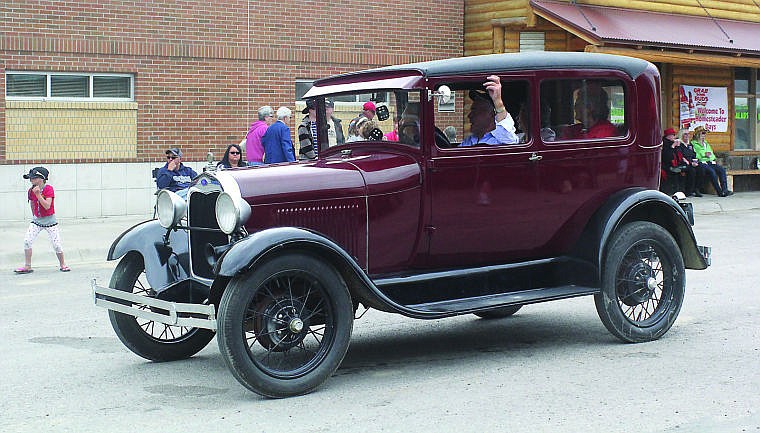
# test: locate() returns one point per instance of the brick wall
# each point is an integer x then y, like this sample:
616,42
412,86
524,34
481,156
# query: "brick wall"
202,69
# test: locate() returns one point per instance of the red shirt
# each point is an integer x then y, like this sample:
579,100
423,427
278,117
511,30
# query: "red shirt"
601,129
37,209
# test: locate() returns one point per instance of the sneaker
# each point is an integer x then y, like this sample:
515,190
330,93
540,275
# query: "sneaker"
697,194
727,193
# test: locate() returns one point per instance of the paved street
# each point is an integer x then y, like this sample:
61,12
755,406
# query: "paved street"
551,368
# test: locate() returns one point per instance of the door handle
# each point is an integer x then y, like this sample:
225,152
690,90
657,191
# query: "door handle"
535,157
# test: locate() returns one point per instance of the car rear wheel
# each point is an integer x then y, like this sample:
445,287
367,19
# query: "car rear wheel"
151,340
284,327
643,281
499,313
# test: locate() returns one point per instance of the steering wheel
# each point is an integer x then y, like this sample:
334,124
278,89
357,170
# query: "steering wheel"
441,140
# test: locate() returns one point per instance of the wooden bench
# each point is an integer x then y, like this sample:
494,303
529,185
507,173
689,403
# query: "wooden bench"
748,184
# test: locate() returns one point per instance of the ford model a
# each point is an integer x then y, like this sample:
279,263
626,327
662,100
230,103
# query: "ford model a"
427,222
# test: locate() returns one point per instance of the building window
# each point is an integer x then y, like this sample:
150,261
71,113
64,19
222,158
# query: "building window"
746,109
68,86
532,41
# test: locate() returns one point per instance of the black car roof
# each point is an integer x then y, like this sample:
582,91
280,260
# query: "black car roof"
536,60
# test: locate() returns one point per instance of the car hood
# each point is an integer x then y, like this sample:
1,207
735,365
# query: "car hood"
343,177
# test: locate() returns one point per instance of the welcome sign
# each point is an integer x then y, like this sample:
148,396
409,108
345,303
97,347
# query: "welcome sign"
704,106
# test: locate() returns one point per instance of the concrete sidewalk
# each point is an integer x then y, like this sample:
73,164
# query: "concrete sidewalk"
85,240
88,240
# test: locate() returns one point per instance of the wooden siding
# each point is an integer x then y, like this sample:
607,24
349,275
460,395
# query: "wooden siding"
478,26
479,16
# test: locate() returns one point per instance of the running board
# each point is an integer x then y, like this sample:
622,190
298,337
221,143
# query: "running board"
487,302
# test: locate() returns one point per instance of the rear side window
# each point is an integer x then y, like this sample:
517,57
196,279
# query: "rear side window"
585,109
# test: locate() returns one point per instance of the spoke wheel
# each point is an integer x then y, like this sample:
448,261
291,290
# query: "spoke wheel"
284,327
642,283
151,340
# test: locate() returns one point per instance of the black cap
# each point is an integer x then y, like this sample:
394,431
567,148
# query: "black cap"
483,96
37,172
309,105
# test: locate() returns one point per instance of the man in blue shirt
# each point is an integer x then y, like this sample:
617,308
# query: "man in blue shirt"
278,146
174,175
490,123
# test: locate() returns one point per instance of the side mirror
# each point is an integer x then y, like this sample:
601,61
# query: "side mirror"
443,94
382,112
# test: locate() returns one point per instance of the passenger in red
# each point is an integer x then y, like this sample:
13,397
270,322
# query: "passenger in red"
592,110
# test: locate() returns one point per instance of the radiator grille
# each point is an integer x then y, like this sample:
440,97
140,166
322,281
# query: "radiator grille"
200,213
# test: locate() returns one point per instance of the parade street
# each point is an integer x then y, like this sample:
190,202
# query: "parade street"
552,367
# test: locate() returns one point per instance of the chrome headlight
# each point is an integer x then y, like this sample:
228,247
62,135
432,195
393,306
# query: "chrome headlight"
231,212
170,208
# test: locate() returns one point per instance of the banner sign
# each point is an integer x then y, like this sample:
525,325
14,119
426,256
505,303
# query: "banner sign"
704,106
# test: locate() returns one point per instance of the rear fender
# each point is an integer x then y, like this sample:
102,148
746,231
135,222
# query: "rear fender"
637,204
165,265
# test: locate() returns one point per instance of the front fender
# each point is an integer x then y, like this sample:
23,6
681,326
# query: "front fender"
638,204
165,265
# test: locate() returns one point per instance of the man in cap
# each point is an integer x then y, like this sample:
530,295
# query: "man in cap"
174,175
307,132
490,123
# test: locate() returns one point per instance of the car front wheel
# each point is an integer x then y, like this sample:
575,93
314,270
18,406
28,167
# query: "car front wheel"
284,327
643,283
151,340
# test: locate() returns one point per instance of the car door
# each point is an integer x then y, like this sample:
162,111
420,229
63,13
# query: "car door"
483,205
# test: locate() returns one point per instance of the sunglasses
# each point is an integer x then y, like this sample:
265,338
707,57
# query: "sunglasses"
171,157
234,153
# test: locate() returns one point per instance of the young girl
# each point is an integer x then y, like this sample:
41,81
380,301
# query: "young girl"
41,197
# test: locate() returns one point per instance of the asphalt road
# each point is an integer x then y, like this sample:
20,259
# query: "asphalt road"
551,368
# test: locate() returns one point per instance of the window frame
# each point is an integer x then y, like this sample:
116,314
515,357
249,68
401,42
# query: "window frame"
628,109
90,85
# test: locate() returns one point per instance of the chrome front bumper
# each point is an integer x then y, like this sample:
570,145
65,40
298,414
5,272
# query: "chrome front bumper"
157,310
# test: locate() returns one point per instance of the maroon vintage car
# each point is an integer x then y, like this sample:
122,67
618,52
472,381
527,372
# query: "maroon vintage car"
511,179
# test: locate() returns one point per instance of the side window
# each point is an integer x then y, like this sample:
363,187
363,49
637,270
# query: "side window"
470,118
583,109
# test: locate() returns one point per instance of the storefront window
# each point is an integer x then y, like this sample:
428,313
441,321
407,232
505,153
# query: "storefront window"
742,131
746,109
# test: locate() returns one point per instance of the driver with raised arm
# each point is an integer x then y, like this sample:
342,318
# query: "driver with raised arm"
490,122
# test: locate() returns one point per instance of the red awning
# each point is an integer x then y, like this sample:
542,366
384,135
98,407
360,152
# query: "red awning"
607,25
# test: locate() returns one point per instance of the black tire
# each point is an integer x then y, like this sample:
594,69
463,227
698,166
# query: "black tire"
284,327
499,313
643,282
154,341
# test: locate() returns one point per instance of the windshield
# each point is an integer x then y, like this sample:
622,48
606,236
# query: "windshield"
353,118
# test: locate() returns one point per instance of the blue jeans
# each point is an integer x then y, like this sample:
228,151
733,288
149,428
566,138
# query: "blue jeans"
717,176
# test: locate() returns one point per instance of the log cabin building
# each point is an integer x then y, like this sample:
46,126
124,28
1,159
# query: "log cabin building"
694,43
